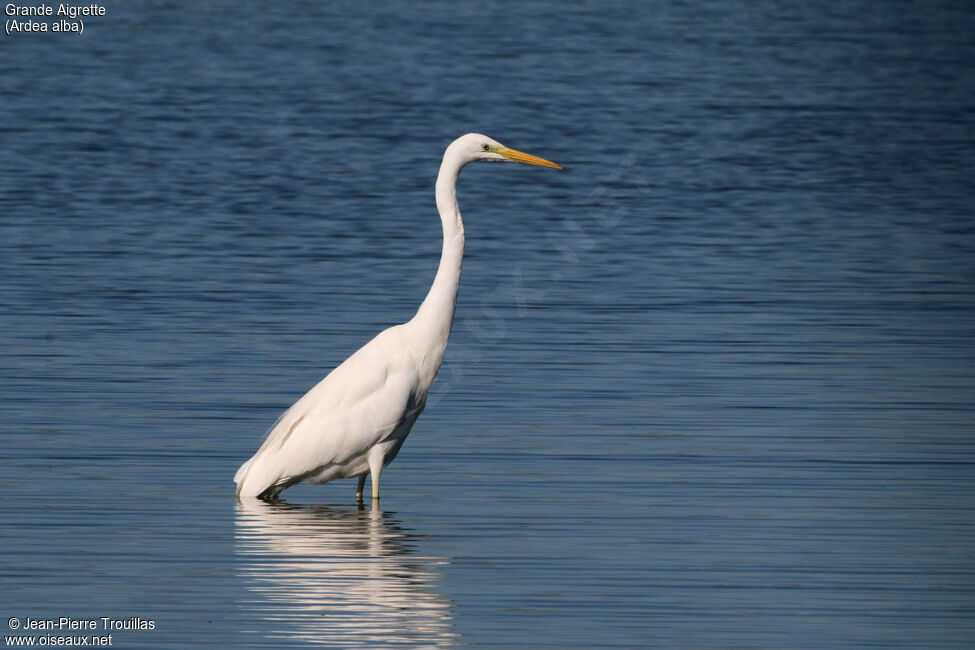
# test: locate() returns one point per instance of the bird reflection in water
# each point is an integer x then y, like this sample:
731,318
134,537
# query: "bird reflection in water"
343,577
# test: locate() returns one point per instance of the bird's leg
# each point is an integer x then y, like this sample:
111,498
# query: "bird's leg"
358,491
376,455
375,487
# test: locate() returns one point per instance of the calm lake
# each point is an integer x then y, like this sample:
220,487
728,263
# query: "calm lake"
713,386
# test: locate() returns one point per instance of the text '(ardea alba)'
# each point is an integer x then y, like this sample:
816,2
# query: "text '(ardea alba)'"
354,421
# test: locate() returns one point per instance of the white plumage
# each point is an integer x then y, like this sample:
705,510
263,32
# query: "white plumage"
353,422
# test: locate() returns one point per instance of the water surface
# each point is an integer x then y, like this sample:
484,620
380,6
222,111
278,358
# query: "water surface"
710,387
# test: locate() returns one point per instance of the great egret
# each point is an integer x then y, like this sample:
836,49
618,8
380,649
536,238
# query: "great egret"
354,421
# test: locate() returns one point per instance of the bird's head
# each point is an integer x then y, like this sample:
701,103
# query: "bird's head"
475,146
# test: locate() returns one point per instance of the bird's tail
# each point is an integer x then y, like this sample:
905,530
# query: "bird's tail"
240,478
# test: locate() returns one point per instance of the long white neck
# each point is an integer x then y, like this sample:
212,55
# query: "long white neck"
436,314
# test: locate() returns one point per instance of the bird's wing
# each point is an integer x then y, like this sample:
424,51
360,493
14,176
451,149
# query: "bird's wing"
358,405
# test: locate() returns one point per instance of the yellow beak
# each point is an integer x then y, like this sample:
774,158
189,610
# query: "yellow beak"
522,157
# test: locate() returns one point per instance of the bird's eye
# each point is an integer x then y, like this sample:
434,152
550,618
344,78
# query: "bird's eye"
486,147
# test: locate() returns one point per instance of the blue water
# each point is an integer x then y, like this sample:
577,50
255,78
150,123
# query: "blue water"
713,386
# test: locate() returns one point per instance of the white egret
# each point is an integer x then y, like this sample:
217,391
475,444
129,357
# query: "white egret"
354,421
